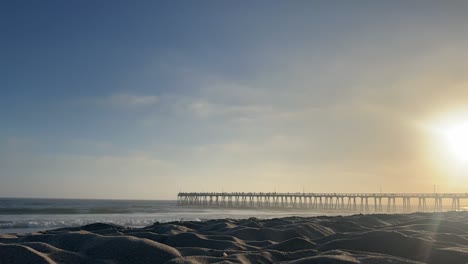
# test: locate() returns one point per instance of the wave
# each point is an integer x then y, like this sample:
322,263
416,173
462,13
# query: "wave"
38,211
50,224
21,206
70,223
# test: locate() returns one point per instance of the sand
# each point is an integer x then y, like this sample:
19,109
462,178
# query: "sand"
398,238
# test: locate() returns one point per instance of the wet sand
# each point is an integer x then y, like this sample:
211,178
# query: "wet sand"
398,238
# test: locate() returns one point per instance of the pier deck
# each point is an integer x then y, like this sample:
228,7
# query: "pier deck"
361,202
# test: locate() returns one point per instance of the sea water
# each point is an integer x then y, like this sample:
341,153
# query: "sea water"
21,215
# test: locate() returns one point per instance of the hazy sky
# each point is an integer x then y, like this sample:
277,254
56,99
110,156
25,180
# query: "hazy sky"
142,99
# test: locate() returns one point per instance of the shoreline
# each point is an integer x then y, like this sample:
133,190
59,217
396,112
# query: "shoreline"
359,238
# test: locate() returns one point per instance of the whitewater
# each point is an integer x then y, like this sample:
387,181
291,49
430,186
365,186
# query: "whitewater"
25,215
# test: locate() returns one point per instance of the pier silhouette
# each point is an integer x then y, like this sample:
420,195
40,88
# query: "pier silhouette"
359,202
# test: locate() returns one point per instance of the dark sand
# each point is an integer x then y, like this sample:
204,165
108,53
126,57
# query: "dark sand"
411,238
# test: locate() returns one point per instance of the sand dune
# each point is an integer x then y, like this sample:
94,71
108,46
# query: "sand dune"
411,238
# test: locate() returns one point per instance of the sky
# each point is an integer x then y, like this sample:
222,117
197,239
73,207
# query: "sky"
141,100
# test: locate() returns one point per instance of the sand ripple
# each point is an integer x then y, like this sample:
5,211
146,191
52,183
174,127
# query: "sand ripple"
368,239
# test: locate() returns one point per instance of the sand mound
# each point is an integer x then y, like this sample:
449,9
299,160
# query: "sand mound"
366,239
293,244
340,259
84,246
21,254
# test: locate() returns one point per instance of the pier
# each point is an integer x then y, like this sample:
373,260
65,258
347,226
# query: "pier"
358,202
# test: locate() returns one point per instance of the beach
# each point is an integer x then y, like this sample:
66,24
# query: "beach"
374,238
233,132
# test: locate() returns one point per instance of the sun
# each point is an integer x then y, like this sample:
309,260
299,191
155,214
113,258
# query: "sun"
455,139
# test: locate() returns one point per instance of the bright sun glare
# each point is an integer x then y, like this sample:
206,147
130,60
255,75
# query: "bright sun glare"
455,138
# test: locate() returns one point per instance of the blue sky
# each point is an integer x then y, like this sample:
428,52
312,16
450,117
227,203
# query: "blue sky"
122,99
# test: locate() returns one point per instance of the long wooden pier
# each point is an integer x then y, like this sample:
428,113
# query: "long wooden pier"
359,202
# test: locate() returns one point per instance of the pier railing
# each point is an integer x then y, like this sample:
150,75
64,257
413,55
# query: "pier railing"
362,202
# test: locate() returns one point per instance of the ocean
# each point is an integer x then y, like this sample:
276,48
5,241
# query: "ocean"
21,215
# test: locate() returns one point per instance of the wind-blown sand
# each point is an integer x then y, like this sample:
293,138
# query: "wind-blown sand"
411,238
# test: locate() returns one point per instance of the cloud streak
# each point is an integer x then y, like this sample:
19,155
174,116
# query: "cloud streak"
125,100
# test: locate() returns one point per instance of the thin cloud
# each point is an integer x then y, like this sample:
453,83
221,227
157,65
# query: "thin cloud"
208,109
124,100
